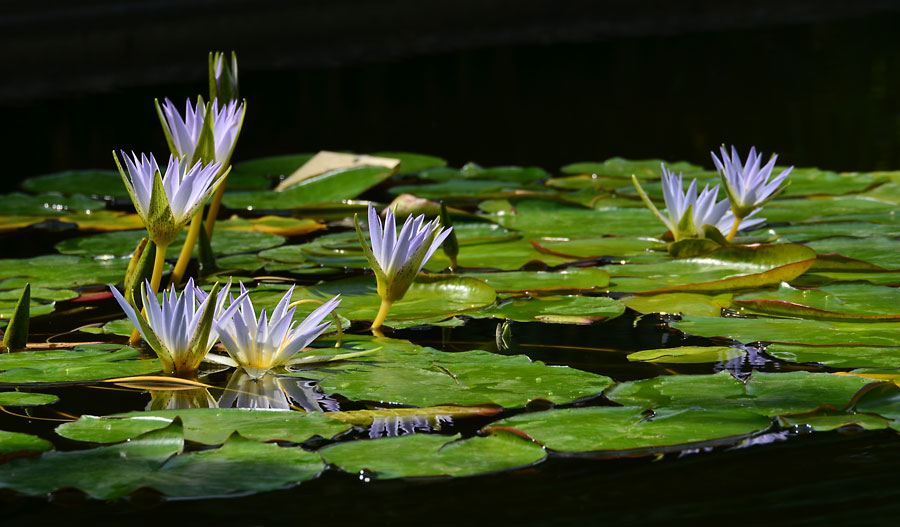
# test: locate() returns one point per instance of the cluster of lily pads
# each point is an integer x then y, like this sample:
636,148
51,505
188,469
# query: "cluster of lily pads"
792,321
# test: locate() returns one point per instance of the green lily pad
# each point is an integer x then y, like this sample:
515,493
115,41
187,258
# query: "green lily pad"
60,271
805,232
825,209
812,182
678,303
838,356
881,399
791,331
555,309
562,220
88,362
688,354
212,472
876,250
15,442
624,168
332,186
768,394
210,426
103,473
421,455
852,301
411,163
725,269
460,189
268,168
625,431
122,244
41,300
583,248
100,183
48,205
827,418
26,399
403,373
583,279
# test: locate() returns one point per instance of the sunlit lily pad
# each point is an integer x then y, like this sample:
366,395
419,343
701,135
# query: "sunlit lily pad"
404,373
765,393
555,219
555,309
332,186
103,220
211,426
429,455
827,209
48,204
838,356
679,303
626,431
16,442
584,279
122,244
60,271
794,331
688,354
598,247
278,225
876,250
624,168
852,301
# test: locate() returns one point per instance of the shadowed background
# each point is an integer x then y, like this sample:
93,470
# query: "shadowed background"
530,82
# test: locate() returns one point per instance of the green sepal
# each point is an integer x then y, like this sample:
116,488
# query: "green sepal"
451,244
130,189
197,347
228,90
16,335
205,256
205,152
160,223
380,277
649,203
711,232
686,227
140,268
165,356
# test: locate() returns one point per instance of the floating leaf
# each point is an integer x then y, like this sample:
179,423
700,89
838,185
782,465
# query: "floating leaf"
422,455
854,302
60,271
15,442
122,244
625,431
688,354
827,418
811,332
623,168
26,399
210,426
838,356
556,309
278,225
679,303
87,362
48,205
100,183
365,417
583,279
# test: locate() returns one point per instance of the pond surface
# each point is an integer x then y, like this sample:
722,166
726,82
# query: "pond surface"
577,365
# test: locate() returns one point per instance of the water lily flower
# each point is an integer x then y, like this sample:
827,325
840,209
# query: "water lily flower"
687,212
184,134
178,328
258,345
166,202
748,185
398,258
223,77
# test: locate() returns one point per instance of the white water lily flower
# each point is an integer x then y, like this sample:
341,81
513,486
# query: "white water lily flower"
184,133
165,202
258,345
747,185
177,328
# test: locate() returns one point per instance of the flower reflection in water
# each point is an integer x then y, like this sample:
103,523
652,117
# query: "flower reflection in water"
395,425
181,399
274,392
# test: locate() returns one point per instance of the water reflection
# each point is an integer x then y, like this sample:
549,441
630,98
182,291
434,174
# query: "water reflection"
274,392
395,425
181,399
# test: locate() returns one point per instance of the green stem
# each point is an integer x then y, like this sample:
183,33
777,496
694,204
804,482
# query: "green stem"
187,250
734,228
155,279
214,209
382,314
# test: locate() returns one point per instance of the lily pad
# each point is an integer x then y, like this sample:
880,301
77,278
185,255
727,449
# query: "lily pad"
429,455
838,356
411,163
48,204
15,442
582,248
876,250
624,168
583,279
791,331
26,399
89,362
100,183
60,271
827,418
122,244
403,373
555,309
679,303
556,219
332,186
626,431
278,225
768,394
688,354
854,302
210,426
827,209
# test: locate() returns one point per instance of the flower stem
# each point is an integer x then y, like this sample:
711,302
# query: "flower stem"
734,228
187,250
158,264
382,314
214,209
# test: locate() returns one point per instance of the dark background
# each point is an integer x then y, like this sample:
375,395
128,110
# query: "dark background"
511,82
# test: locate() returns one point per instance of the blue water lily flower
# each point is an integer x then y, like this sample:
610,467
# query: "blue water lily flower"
748,185
260,344
184,133
178,328
687,212
397,258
